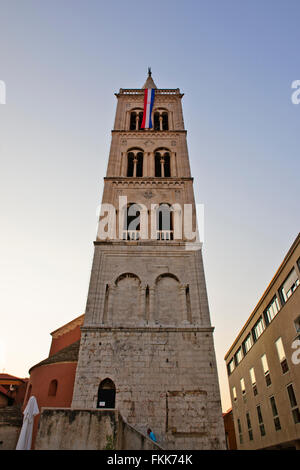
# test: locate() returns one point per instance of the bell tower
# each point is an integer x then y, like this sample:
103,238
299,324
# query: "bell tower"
147,341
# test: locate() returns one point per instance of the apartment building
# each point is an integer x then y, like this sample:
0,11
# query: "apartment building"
263,365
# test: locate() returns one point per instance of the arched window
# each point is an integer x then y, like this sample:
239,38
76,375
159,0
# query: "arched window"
132,121
135,163
165,121
130,157
162,163
132,222
167,168
136,118
52,388
164,222
161,120
106,394
156,121
157,164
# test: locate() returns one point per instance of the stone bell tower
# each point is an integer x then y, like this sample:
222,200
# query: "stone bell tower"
147,341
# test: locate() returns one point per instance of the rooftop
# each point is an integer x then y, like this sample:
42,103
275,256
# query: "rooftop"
11,378
68,354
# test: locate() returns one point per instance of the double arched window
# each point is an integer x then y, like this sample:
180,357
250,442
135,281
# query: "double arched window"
161,120
136,118
135,163
162,163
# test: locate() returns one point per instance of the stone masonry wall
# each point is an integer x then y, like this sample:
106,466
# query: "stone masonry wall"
66,429
165,379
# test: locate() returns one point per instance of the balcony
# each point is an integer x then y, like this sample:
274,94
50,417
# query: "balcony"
134,235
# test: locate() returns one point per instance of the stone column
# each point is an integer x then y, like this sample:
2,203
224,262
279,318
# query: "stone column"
146,163
173,163
134,165
111,295
183,303
162,166
151,164
151,319
160,122
123,164
143,303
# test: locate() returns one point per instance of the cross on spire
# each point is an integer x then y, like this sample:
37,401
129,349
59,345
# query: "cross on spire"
149,82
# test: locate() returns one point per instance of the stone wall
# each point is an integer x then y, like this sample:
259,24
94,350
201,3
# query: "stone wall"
165,379
67,429
11,419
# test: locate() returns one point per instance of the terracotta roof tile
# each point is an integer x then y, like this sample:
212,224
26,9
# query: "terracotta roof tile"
68,354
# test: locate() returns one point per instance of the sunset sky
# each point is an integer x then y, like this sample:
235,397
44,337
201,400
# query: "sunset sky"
62,61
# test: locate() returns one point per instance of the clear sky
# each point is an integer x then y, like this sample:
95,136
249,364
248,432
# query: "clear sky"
62,61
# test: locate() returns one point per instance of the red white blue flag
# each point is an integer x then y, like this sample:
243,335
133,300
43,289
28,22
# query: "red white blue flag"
148,105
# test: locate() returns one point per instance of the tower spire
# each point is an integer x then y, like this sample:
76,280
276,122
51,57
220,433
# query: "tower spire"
149,83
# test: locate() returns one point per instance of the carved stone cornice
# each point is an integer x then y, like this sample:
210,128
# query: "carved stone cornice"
138,93
149,329
147,133
148,182
149,178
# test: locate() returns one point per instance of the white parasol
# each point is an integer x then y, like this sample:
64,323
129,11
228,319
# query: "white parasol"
25,437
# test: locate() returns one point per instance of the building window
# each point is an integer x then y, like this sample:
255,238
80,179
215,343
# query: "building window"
275,414
106,394
136,118
258,329
164,222
249,427
52,388
289,286
165,121
266,369
162,164
234,393
281,355
132,220
230,367
247,344
260,421
240,431
253,381
271,310
294,405
238,356
135,164
297,324
243,387
161,121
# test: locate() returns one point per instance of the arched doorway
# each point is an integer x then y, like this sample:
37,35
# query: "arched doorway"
106,394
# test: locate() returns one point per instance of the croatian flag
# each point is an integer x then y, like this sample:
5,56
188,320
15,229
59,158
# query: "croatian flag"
148,105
